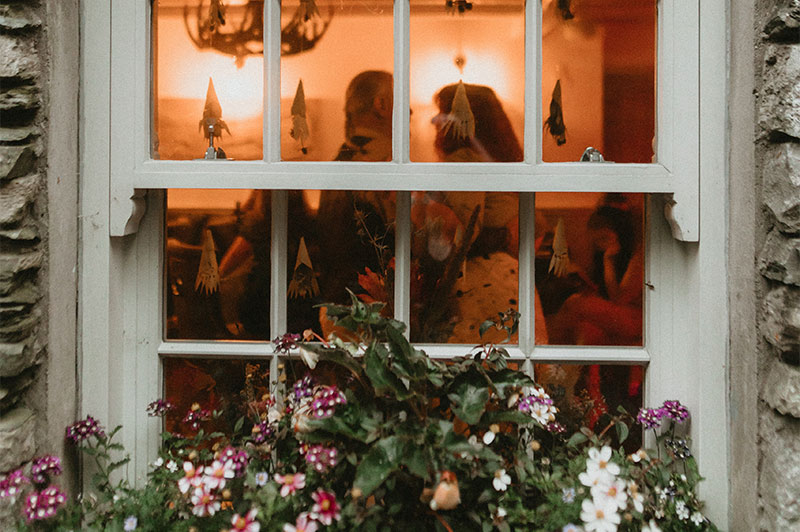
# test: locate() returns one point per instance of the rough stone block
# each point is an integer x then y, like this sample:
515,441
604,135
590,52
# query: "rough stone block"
12,388
784,27
18,61
781,193
16,17
16,438
780,258
15,358
24,97
780,322
25,292
16,161
17,134
27,233
780,472
17,326
779,111
781,389
15,198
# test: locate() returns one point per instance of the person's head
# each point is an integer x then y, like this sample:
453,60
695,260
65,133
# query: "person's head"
613,227
368,102
493,131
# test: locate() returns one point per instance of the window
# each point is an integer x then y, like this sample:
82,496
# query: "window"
145,143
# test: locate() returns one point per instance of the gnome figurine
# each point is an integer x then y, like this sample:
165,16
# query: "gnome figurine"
212,123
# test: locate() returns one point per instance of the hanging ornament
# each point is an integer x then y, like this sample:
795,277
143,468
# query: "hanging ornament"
307,10
565,6
208,273
555,122
451,6
560,259
304,280
460,119
299,130
216,15
212,123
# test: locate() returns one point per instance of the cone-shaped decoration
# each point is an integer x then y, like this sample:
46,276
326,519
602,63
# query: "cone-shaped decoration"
212,114
560,259
216,14
208,273
555,122
304,280
460,120
299,130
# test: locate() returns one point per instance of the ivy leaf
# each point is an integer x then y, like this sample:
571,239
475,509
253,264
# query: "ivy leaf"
380,462
469,399
381,376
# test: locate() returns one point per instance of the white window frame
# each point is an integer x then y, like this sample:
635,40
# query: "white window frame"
120,295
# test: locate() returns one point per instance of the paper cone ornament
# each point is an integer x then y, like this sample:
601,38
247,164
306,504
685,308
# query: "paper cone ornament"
216,14
208,274
212,114
460,121
560,259
299,130
555,122
304,280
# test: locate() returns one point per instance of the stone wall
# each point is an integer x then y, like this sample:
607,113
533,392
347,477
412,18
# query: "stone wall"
777,160
38,236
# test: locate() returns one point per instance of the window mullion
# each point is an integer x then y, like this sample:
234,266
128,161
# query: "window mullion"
272,82
400,110
532,143
278,252
527,307
402,258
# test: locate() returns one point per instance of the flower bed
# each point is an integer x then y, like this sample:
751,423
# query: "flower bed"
410,443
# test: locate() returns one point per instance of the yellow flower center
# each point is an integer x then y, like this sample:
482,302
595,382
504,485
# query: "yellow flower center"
612,491
603,464
288,479
325,505
600,514
241,523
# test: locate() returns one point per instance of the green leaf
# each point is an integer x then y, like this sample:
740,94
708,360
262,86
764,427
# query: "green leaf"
622,431
469,398
510,416
380,462
381,376
485,326
577,439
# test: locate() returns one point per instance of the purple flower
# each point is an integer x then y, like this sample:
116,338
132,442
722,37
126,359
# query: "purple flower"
83,429
196,415
675,411
322,458
10,486
44,504
261,432
325,401
303,388
650,418
236,457
678,448
555,427
285,343
44,466
159,408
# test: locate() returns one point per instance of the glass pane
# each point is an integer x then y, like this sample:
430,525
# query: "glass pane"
207,81
336,81
483,45
585,395
338,241
598,79
590,267
464,264
217,258
235,387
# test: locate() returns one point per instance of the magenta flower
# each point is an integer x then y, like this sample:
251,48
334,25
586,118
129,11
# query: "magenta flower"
325,509
555,427
159,408
290,483
675,411
237,459
192,477
83,429
285,343
304,523
261,432
43,505
196,415
325,401
650,418
217,474
246,523
205,503
303,388
322,458
12,484
44,466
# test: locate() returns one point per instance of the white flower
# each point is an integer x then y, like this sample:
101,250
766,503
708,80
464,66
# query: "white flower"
636,496
172,466
638,456
568,495
217,474
596,477
659,513
611,493
262,478
599,517
651,527
601,460
501,512
130,523
488,437
309,358
697,518
159,462
501,480
274,415
682,510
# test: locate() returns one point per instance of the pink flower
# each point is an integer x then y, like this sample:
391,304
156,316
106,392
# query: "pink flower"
43,505
11,485
303,524
205,503
192,478
43,466
217,473
322,458
246,523
80,430
325,508
290,483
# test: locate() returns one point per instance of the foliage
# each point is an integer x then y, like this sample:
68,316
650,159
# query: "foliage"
411,443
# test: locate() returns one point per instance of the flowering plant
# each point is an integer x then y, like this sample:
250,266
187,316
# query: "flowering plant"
400,441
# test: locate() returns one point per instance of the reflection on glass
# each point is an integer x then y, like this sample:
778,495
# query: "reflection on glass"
586,395
338,241
483,46
590,267
218,265
234,387
336,82
598,79
189,58
464,264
